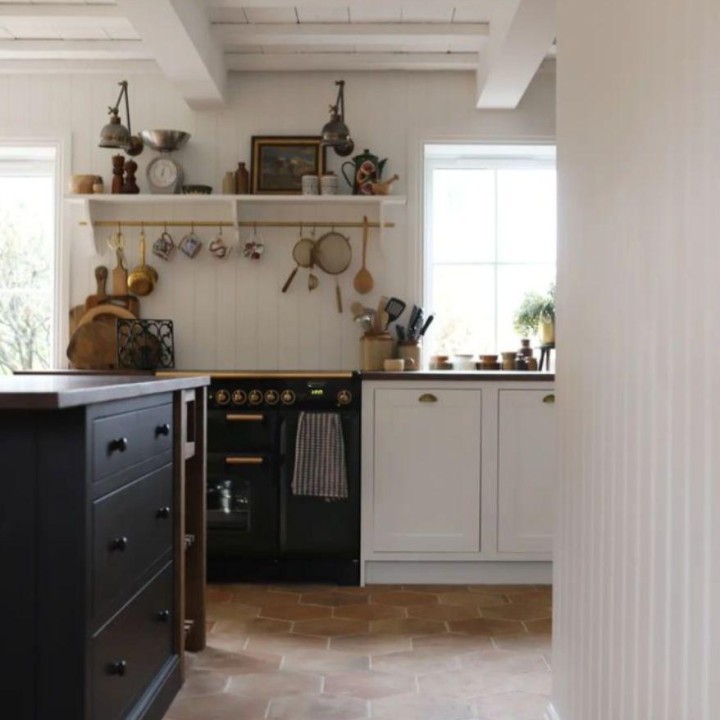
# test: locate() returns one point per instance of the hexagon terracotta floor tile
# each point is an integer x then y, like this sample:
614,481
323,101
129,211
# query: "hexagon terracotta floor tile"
400,652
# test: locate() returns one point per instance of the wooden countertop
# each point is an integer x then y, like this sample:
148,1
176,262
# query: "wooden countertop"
54,392
477,375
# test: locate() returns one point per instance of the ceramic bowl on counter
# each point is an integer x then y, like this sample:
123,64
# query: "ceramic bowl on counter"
463,362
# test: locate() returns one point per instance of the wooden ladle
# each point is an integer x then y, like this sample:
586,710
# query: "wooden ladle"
363,281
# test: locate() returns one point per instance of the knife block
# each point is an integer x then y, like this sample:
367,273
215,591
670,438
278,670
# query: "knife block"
374,350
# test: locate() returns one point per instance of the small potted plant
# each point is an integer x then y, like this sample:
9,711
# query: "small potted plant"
536,316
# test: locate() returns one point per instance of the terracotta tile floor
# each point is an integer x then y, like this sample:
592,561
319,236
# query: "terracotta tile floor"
293,652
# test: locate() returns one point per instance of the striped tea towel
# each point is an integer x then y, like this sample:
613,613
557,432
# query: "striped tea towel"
320,457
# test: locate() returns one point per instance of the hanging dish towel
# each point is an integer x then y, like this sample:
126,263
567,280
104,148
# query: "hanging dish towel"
320,457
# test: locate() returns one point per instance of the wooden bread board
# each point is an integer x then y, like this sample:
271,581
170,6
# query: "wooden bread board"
93,345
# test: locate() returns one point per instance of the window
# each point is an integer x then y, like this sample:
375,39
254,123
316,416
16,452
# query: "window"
27,256
490,237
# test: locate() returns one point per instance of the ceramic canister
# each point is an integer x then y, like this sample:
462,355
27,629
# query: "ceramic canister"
310,185
329,184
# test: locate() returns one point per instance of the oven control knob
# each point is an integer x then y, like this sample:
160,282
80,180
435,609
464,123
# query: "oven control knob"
272,397
255,397
239,397
287,397
222,397
344,397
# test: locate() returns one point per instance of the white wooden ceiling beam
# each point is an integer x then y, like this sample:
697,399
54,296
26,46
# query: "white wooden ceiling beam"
347,62
513,56
47,12
78,67
179,35
410,5
74,50
328,34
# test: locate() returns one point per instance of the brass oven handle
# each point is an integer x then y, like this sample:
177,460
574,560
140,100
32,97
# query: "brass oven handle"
240,460
549,399
428,398
230,417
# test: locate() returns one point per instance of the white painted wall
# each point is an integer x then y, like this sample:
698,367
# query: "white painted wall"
233,315
637,576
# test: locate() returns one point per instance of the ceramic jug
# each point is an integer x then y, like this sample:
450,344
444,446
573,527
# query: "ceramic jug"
366,169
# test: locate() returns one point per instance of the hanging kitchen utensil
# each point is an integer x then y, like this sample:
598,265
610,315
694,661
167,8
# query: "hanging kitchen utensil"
101,276
119,273
313,279
142,279
363,281
333,255
255,246
303,256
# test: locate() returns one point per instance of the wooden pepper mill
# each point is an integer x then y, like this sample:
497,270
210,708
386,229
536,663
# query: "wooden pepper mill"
118,162
242,179
130,186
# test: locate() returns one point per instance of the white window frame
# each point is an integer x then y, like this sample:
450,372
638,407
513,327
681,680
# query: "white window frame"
467,155
61,259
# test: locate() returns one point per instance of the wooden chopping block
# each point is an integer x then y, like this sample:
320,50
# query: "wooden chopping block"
129,302
93,346
101,276
74,317
119,275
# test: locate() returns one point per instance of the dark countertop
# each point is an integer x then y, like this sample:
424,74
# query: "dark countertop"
477,375
54,392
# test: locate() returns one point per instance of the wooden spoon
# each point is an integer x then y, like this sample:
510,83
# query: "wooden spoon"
363,281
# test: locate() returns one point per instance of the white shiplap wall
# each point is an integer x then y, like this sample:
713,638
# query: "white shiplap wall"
637,580
233,315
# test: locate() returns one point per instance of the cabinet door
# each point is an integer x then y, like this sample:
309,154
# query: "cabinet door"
427,470
526,471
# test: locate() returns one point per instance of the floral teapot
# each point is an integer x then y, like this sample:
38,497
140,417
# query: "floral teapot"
366,169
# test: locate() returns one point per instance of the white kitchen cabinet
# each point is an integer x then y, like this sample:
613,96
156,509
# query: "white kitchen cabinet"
526,470
427,470
458,490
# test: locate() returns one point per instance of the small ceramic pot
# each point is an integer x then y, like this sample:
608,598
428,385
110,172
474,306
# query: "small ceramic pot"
310,185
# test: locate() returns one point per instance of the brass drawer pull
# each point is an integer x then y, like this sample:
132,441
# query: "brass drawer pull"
428,398
235,460
244,418
549,399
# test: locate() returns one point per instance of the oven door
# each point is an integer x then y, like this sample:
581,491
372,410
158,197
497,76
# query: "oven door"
315,525
242,501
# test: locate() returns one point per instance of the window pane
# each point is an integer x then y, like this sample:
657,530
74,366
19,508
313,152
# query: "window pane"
463,216
464,307
26,282
527,222
513,282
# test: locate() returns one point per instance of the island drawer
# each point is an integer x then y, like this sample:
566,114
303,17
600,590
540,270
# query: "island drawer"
122,440
130,651
131,529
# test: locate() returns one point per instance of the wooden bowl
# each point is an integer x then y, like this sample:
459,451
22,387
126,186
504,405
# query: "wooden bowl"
81,184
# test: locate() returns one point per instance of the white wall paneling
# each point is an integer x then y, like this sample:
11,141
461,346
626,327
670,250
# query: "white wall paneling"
233,315
637,560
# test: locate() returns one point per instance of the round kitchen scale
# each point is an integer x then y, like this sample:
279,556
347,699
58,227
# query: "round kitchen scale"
164,173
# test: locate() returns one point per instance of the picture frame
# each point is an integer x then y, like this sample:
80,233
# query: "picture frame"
279,162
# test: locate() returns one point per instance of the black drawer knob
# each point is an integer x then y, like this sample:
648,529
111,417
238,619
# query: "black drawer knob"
163,513
119,444
117,668
163,429
119,543
163,616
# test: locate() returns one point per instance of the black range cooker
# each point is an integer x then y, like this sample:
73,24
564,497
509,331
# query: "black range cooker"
258,529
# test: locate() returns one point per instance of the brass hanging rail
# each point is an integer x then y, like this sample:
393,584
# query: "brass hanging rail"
225,223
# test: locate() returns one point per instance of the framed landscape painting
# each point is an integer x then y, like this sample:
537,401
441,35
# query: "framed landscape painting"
279,162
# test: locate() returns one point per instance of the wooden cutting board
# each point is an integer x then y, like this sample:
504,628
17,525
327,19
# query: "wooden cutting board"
93,346
101,276
119,275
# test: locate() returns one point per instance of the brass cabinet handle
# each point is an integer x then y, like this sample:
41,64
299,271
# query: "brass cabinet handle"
240,460
427,398
230,417
549,399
